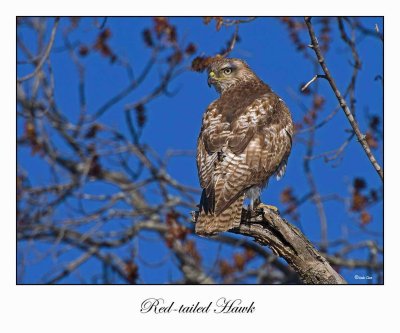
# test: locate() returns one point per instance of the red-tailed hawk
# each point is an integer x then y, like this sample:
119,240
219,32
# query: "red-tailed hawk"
245,138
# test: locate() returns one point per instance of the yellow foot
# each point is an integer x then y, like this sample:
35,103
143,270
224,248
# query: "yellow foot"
269,207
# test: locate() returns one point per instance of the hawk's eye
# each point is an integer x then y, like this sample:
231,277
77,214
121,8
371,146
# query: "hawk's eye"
227,71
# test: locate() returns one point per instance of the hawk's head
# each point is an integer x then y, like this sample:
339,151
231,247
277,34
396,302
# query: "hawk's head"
224,73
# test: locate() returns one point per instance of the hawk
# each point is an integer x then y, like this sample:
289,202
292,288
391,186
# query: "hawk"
245,138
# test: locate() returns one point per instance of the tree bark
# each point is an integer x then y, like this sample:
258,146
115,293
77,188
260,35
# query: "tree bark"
286,241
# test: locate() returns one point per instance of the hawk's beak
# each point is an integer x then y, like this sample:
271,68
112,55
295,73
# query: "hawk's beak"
211,78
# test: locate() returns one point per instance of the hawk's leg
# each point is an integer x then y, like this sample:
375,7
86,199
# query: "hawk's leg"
253,207
257,202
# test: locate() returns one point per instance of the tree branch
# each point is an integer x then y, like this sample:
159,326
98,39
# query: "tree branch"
361,137
286,241
46,53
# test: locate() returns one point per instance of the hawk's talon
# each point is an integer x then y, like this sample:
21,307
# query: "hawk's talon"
269,207
259,211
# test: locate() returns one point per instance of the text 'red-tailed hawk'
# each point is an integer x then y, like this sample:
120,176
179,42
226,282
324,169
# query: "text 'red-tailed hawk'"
245,139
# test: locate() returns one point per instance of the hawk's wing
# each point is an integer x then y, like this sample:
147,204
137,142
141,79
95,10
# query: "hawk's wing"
233,156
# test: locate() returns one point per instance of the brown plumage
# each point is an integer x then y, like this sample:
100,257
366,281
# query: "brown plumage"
245,138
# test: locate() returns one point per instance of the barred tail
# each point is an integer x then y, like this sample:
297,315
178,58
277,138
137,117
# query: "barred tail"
208,223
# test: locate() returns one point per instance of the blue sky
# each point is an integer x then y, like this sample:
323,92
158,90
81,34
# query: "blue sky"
174,122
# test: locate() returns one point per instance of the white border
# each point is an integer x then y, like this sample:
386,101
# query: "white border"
116,308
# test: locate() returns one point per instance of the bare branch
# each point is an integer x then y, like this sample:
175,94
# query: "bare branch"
285,240
342,102
46,52
232,42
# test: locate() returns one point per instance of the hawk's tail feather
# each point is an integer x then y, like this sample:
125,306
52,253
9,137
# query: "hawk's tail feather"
207,202
211,224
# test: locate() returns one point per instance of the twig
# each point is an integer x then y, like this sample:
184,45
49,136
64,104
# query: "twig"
318,76
368,32
72,266
342,102
316,198
232,42
229,22
46,53
378,32
126,91
332,154
321,123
